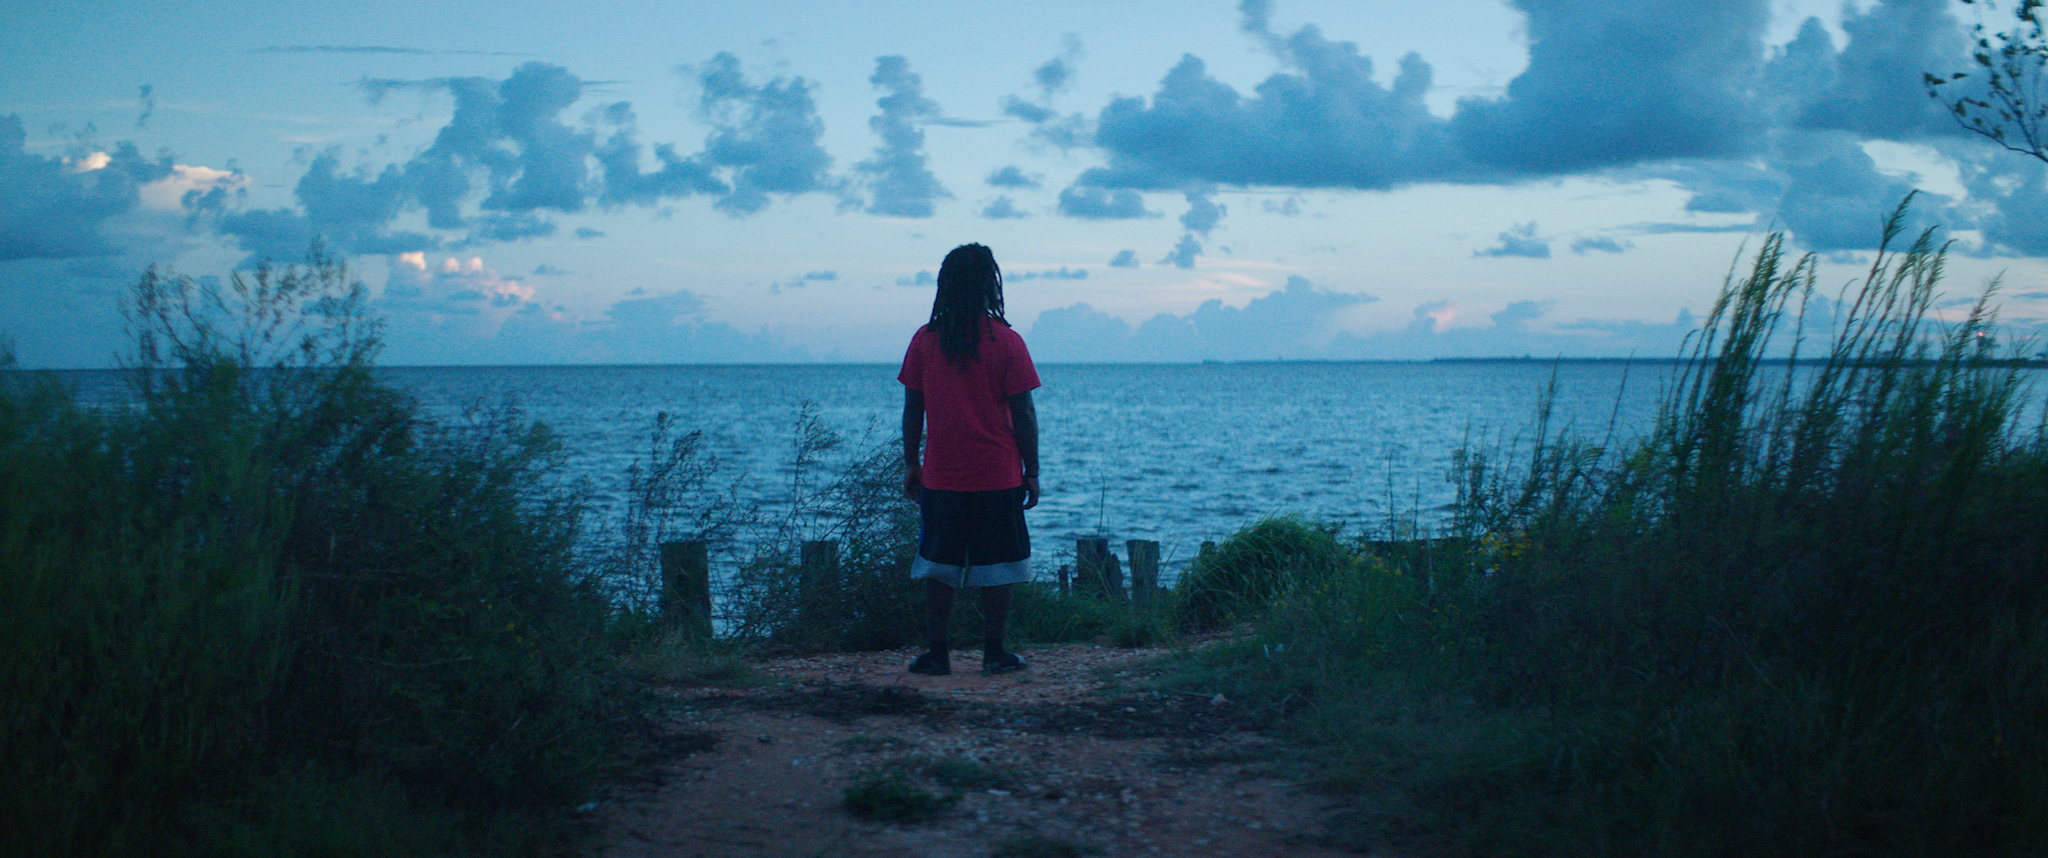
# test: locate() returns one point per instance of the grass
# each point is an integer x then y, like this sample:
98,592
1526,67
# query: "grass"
1802,616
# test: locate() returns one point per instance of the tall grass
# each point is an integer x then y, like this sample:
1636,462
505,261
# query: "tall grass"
274,610
1804,616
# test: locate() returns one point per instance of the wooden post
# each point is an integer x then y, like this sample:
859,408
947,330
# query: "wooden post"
686,586
1144,557
1095,570
820,560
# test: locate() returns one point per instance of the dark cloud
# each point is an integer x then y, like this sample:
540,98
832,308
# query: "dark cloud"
1124,259
1618,82
1520,313
1203,213
766,136
349,212
903,183
1013,176
1834,196
2017,188
1184,253
1096,203
1002,208
921,278
147,99
1603,244
1057,73
1027,111
546,270
1331,126
624,183
510,227
1876,88
51,209
1520,241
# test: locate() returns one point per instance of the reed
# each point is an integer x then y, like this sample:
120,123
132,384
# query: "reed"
1802,616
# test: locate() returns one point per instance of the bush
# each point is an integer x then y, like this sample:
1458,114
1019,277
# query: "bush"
1246,571
272,586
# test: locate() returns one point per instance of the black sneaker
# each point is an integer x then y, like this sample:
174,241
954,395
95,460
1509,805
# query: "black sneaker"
1002,662
933,663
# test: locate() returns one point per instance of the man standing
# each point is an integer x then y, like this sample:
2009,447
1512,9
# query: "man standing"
968,379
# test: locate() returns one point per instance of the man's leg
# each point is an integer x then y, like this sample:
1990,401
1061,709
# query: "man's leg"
938,614
995,621
938,620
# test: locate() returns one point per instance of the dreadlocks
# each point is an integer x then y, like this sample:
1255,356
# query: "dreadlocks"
970,288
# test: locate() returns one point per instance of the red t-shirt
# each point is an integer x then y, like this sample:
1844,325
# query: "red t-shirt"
970,445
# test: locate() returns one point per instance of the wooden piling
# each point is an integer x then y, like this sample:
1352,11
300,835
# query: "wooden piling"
686,586
1144,559
818,562
1096,573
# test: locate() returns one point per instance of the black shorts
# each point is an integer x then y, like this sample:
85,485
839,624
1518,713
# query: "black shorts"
973,539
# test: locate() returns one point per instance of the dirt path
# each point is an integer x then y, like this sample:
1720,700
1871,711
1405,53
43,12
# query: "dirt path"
1071,757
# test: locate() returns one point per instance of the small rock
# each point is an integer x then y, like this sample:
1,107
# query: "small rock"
1219,699
765,740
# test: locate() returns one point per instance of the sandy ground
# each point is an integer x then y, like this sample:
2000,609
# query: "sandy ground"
1071,757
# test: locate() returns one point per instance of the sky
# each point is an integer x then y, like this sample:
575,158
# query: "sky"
537,182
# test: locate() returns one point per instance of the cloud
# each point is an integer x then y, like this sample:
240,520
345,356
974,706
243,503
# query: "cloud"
766,136
1203,214
1124,259
1876,87
1096,203
1331,126
1061,273
1184,253
1520,313
1520,241
1834,197
1013,176
1002,208
1057,73
1603,244
54,208
903,183
1618,82
1297,320
619,159
921,278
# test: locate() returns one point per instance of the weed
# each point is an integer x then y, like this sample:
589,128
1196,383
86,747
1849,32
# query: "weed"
887,796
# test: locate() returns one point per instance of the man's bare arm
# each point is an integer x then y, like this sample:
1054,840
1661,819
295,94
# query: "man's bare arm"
913,441
1024,422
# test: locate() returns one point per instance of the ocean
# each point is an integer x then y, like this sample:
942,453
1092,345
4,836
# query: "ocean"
1180,454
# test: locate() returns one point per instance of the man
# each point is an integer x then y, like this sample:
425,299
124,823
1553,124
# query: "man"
968,379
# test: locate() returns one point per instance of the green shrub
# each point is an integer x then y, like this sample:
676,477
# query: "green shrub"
272,584
1244,573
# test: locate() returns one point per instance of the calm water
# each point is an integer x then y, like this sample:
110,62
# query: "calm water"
1174,453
